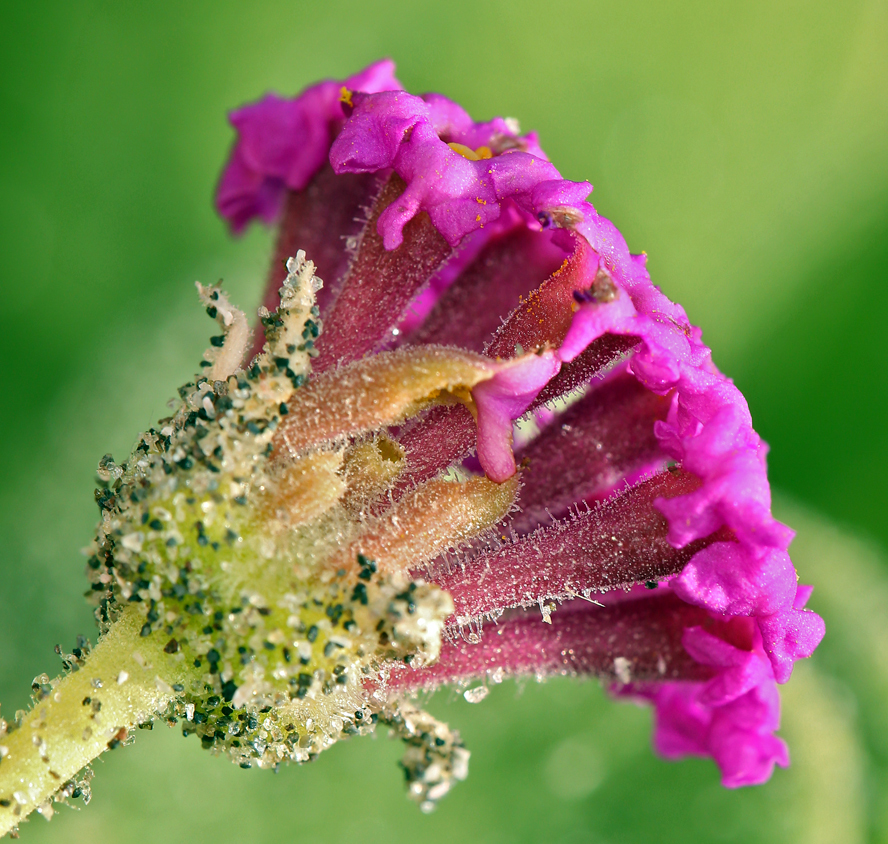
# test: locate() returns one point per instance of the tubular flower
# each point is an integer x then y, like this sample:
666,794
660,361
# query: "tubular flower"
485,445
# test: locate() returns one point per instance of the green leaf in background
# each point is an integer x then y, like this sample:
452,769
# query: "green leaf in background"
744,146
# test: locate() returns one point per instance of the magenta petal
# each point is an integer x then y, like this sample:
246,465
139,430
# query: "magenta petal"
727,579
681,722
739,671
739,737
731,717
709,430
371,137
282,143
557,194
502,399
244,193
747,755
592,322
803,595
790,635
412,135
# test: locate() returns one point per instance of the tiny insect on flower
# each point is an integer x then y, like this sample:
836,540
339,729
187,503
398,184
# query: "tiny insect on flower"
484,412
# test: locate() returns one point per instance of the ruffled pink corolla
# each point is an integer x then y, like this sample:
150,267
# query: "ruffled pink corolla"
643,534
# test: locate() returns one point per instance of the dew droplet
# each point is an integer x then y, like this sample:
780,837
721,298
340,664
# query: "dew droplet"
476,695
622,668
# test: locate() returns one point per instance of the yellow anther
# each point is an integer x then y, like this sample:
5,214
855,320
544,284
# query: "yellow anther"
471,154
464,151
345,97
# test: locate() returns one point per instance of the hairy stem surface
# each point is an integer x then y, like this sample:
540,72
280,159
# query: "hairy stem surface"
126,680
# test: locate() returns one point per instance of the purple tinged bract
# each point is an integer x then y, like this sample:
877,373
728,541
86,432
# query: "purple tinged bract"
472,227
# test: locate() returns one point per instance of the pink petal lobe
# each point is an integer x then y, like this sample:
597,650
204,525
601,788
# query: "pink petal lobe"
283,142
502,399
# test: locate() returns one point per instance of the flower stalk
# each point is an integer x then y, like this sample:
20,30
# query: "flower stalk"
125,681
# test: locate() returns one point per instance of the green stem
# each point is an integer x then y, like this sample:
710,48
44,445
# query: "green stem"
126,680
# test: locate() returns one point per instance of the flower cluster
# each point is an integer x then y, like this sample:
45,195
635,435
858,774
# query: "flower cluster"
645,483
485,445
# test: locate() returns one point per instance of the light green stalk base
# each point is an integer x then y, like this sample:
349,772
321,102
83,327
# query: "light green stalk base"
116,688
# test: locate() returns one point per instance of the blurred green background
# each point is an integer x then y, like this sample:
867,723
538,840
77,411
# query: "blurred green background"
744,146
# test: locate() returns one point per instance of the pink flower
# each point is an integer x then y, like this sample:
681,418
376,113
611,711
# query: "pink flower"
643,534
